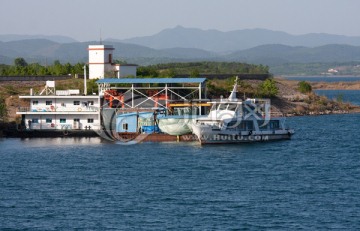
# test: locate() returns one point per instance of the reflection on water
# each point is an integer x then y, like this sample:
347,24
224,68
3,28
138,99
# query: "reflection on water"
58,142
91,184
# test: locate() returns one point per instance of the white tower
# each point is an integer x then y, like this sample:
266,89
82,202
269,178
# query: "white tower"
100,60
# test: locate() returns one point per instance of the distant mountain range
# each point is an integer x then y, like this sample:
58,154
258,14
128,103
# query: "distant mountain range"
280,54
40,50
54,38
217,41
180,44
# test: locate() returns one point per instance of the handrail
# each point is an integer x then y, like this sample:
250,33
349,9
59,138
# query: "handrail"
58,109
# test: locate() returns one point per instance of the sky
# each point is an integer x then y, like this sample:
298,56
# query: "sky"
84,19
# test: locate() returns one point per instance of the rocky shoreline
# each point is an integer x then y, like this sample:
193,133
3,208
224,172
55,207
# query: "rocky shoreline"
291,102
336,86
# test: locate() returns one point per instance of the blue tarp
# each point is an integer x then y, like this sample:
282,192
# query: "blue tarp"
150,129
129,122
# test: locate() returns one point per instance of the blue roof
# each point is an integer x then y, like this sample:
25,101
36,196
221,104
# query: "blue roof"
152,80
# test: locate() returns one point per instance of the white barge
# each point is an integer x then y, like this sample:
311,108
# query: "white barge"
63,110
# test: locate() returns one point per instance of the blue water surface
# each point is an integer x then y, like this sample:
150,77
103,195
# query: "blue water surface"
324,78
350,96
311,182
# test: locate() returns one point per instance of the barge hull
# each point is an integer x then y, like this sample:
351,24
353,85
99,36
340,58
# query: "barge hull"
155,137
49,133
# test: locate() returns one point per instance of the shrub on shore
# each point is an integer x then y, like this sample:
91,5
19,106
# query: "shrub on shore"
268,88
304,87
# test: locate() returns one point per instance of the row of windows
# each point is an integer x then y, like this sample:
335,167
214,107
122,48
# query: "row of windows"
248,125
49,102
62,120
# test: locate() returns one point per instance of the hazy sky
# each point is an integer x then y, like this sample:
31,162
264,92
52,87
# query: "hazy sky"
83,19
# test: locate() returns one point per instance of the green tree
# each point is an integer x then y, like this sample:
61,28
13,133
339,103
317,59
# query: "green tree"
168,73
92,86
147,71
57,63
194,73
79,68
57,68
118,61
304,87
67,69
20,62
268,88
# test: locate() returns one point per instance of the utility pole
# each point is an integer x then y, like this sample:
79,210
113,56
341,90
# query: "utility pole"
85,87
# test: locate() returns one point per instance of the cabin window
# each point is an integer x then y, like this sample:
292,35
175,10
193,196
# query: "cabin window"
232,107
233,123
35,102
91,102
48,120
62,120
242,125
249,125
76,120
223,106
48,102
90,120
76,102
125,126
35,120
246,125
263,125
274,124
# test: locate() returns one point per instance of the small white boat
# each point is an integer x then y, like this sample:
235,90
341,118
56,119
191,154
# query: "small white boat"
174,125
179,124
235,121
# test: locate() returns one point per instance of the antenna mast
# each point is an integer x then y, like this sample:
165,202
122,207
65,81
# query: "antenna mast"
100,37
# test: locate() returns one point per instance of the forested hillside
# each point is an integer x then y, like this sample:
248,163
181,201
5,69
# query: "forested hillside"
193,69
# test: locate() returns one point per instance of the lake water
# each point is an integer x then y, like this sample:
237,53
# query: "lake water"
309,182
324,78
352,96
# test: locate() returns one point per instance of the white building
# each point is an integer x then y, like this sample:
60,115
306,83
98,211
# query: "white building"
61,110
333,71
101,64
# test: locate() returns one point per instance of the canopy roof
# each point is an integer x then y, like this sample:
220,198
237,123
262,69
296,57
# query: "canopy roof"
151,80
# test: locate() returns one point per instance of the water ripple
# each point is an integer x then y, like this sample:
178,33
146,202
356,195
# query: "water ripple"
310,182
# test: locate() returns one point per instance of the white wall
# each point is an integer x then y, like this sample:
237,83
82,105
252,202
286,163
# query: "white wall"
53,121
63,107
100,63
100,60
59,104
96,71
